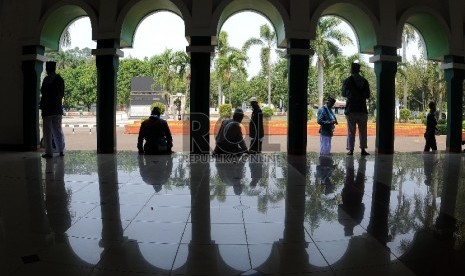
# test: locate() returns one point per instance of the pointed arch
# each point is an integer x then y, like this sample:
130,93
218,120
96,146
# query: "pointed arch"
359,18
431,26
274,12
58,18
136,11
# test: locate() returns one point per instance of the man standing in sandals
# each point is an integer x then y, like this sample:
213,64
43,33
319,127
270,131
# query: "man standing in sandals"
357,90
51,104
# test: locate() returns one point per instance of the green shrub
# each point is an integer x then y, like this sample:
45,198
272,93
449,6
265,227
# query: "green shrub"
267,112
422,115
309,114
405,114
442,129
463,124
160,105
225,111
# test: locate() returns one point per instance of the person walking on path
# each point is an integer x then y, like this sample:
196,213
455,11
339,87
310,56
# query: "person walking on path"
430,133
156,133
357,90
51,103
326,119
256,127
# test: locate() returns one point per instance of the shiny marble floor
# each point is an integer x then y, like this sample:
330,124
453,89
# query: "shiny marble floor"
273,214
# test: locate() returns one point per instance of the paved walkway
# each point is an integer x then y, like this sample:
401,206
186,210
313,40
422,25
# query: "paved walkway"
80,134
82,139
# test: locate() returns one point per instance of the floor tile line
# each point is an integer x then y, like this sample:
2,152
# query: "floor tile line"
179,243
246,236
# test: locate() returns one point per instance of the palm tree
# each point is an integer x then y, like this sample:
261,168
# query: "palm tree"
222,50
181,62
228,61
268,41
64,59
168,67
65,39
169,70
326,46
228,65
408,35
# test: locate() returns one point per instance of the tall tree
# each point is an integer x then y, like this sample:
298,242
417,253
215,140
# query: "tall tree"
326,46
267,41
65,39
223,49
408,35
182,65
166,69
128,69
226,66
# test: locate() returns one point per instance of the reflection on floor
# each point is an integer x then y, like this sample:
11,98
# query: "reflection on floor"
271,214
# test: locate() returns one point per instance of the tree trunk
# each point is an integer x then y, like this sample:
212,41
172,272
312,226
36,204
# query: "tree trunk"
269,83
404,59
440,101
320,83
220,94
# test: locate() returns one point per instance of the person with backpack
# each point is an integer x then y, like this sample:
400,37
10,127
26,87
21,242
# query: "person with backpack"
356,90
326,119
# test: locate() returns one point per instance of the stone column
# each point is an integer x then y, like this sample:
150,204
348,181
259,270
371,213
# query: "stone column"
107,60
385,59
298,53
454,69
200,51
32,66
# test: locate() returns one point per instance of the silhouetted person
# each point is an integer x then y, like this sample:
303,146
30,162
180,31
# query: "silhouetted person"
256,131
357,90
430,165
430,134
326,119
351,211
155,171
156,133
51,104
324,171
231,174
229,139
256,172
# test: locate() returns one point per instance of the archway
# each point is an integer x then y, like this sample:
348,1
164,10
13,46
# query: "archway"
54,26
431,35
156,69
247,65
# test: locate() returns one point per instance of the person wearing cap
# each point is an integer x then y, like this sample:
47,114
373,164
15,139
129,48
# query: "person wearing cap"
229,140
51,104
326,119
256,132
356,90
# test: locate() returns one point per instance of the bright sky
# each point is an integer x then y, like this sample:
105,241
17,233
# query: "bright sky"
165,30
